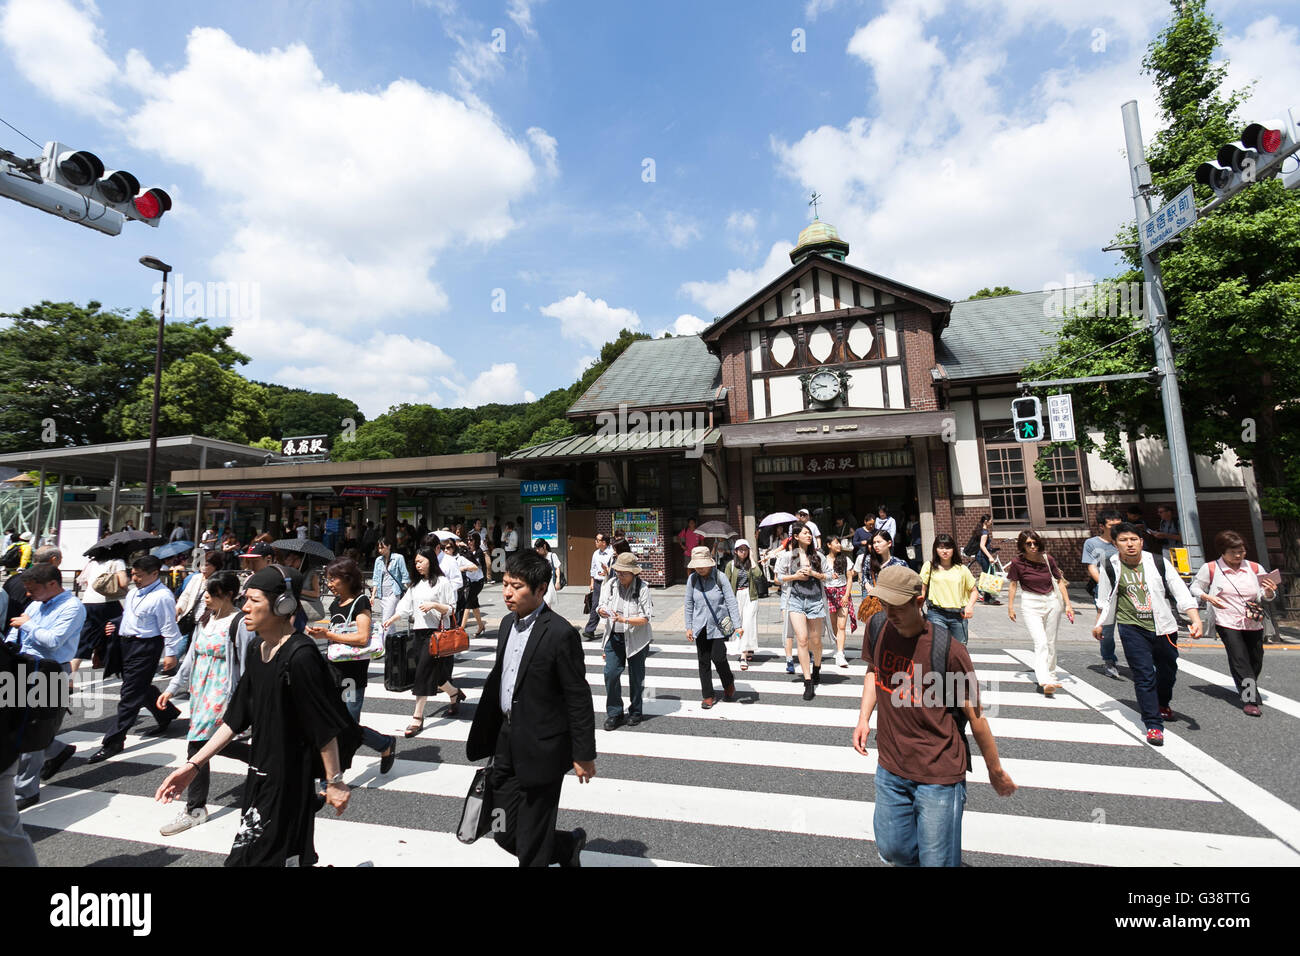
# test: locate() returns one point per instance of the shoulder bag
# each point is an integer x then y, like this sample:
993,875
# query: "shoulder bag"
725,627
447,642
373,650
109,586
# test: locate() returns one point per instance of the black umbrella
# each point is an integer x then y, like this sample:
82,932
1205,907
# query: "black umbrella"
125,542
304,546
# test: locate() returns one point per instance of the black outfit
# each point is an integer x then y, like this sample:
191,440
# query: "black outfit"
92,632
140,657
710,653
293,707
551,725
196,795
430,672
1245,660
18,599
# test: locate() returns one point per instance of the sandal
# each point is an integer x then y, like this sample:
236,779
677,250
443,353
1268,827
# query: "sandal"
416,725
454,706
744,663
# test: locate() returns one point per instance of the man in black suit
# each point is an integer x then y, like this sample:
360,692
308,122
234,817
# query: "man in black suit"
535,718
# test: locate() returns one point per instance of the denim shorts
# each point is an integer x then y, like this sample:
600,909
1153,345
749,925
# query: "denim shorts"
808,607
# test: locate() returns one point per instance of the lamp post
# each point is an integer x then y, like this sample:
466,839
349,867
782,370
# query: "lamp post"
149,262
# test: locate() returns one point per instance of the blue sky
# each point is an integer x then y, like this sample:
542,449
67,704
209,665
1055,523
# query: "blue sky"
379,176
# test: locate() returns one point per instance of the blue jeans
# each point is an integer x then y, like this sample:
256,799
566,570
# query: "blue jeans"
615,661
1108,644
918,824
1154,663
951,618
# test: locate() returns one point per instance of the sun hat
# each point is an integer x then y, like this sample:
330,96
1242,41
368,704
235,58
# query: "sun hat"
626,562
701,557
897,584
802,511
742,543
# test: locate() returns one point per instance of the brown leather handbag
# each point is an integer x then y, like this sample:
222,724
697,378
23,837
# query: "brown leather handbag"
869,606
453,640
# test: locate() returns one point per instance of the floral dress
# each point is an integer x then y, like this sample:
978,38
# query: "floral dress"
210,686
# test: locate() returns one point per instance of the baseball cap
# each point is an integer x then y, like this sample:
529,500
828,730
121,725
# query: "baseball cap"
801,511
270,581
258,549
897,584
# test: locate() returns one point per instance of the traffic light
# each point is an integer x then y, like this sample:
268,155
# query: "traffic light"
116,189
1256,156
1027,418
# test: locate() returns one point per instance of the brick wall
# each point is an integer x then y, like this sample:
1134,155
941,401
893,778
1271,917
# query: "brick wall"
732,347
918,356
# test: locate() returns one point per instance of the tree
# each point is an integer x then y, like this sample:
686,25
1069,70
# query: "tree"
405,431
196,397
555,428
267,443
1233,290
295,411
995,292
66,367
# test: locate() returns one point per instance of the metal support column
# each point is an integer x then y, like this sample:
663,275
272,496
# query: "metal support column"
1157,315
197,530
58,509
40,510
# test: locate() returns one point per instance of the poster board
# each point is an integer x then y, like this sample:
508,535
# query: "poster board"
75,536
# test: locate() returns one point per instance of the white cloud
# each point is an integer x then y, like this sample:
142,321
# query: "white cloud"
591,321
741,232
685,324
1268,54
989,191
520,11
545,145
814,7
583,364
680,232
58,47
500,383
742,221
722,296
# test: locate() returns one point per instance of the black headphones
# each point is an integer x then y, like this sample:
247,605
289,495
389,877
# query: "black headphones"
286,603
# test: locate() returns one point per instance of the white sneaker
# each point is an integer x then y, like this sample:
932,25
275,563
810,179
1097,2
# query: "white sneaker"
1112,671
841,660
187,819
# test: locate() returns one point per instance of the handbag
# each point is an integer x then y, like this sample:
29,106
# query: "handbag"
448,642
725,627
108,585
373,649
476,815
993,581
586,602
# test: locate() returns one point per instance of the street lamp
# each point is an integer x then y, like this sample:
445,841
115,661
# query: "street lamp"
150,262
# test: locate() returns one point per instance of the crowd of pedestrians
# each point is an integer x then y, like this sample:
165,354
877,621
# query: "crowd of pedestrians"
276,657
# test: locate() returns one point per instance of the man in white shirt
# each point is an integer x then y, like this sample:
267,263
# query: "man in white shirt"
511,540
600,561
301,531
806,518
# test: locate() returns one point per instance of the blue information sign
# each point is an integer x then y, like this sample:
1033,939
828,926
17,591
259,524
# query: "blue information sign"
543,489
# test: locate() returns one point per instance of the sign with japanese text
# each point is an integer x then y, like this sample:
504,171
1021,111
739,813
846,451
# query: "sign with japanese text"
358,492
544,523
304,445
1060,415
639,526
1168,221
830,464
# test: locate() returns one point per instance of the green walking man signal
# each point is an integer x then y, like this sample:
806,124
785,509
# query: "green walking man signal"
1027,419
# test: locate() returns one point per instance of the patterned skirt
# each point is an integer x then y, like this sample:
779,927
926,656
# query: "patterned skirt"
838,598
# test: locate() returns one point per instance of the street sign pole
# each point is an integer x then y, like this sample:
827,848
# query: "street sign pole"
1189,521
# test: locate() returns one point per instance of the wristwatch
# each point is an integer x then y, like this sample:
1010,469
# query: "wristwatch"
337,778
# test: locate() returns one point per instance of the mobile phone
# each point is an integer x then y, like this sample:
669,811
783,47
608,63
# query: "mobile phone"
1070,614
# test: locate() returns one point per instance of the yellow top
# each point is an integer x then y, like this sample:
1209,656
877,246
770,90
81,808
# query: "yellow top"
949,589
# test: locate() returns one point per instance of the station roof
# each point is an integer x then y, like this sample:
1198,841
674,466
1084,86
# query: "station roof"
96,463
636,443
478,471
999,336
655,373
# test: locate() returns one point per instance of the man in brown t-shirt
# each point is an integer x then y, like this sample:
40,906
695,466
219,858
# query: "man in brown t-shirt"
921,763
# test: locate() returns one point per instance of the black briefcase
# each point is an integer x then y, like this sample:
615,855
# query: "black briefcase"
400,658
476,816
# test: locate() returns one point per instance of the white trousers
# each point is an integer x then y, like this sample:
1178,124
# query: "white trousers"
387,608
749,621
1042,617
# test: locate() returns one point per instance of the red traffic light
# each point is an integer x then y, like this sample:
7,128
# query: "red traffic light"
152,203
1262,138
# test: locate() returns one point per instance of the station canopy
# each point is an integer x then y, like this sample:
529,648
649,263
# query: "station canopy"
96,464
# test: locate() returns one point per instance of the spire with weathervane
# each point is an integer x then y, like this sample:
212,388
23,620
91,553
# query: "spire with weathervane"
818,239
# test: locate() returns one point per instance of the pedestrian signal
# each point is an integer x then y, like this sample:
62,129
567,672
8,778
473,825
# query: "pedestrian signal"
1027,419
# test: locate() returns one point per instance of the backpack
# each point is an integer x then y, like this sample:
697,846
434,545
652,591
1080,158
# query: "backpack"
1164,583
938,665
12,557
973,545
349,739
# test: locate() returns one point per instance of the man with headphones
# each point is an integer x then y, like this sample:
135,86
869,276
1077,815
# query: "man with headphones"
301,731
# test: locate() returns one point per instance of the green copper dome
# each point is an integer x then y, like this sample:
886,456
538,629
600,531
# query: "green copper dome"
819,238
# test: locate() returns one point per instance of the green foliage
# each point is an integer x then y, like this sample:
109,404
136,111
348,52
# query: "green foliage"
995,292
406,431
268,443
75,364
554,429
197,397
296,411
1232,285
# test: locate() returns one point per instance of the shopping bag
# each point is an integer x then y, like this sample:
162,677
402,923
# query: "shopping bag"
993,580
